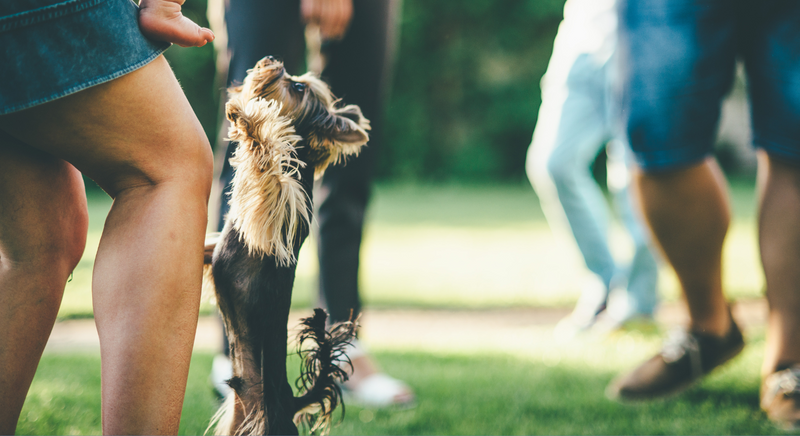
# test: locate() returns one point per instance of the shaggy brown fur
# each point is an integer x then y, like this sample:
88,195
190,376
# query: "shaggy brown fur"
288,129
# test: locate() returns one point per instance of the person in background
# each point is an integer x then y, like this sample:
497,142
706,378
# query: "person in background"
358,39
579,115
681,57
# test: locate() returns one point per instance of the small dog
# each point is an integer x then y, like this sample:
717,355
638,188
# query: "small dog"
288,129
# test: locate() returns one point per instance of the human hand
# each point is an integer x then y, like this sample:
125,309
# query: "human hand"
162,20
332,16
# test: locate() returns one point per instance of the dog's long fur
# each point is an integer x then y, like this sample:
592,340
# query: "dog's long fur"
288,129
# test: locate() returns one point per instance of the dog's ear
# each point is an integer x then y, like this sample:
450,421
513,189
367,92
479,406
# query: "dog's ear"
344,129
352,126
268,203
340,132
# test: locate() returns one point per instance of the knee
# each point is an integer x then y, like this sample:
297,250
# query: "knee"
546,170
64,248
202,167
65,239
536,168
193,166
186,166
51,245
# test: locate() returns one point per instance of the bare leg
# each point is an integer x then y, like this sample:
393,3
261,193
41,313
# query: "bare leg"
779,234
38,251
139,139
688,212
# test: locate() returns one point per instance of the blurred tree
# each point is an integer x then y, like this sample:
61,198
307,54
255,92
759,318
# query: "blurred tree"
195,69
466,88
465,92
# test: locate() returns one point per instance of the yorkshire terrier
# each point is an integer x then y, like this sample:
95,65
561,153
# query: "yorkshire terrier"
288,130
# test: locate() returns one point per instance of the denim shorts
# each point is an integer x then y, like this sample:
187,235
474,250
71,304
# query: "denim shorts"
678,60
53,48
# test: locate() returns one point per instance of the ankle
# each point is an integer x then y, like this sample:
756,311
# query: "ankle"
717,323
363,367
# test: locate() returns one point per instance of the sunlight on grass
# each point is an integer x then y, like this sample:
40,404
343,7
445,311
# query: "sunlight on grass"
490,246
530,383
457,246
557,389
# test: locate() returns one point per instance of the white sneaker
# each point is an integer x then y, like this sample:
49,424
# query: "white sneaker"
591,303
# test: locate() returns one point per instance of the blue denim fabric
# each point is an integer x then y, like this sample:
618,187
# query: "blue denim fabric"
680,57
577,117
53,48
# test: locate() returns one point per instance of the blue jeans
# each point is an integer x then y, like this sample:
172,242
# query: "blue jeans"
576,120
681,58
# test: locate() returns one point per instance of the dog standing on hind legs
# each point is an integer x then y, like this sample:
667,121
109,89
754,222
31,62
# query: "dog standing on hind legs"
289,129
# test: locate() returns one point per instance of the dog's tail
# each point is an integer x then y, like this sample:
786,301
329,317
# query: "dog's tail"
324,364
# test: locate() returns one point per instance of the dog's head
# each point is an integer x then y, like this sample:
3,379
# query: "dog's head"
288,127
329,130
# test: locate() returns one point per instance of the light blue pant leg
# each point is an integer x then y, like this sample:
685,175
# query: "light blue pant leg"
569,134
642,273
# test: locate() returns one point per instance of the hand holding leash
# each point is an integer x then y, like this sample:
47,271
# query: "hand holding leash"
332,16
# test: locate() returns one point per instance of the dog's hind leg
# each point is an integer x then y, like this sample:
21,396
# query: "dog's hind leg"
254,296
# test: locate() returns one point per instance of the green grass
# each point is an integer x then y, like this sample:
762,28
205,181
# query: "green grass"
448,245
539,387
65,396
465,247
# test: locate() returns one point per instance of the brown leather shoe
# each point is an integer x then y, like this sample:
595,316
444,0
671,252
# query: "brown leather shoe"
780,397
685,358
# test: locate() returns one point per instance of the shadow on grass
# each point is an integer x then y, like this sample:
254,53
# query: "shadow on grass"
457,394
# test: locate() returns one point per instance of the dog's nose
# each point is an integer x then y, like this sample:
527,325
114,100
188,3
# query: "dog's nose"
266,61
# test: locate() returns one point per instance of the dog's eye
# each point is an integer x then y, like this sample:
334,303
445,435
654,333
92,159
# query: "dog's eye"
299,86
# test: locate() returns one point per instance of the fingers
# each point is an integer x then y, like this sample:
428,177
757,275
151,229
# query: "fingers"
310,10
163,20
332,16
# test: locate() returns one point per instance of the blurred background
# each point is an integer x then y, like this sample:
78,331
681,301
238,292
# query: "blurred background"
455,237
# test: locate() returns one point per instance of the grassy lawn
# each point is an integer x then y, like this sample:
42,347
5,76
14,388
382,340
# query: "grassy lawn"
542,387
465,247
445,246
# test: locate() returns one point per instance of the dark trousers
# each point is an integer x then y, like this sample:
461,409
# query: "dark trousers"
357,70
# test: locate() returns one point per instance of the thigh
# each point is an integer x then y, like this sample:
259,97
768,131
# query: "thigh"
136,130
771,46
678,61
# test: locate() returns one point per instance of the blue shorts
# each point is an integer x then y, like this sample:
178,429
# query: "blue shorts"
53,48
678,60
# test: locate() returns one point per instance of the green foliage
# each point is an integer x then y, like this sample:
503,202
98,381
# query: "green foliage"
195,69
443,245
465,93
466,88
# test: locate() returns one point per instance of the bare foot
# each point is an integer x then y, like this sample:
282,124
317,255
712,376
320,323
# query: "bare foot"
162,20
